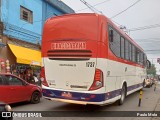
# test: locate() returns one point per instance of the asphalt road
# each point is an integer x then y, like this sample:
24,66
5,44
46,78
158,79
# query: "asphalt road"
150,102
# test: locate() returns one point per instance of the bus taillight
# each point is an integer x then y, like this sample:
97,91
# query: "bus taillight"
43,78
98,80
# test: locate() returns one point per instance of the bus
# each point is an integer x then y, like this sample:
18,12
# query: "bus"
87,59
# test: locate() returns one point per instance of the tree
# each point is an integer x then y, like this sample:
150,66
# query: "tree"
152,70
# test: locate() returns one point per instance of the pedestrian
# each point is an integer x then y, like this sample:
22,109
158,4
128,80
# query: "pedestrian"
15,72
29,76
36,80
21,73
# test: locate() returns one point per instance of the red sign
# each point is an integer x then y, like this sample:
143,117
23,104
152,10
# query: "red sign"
69,45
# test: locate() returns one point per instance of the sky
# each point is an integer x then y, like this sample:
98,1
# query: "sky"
132,14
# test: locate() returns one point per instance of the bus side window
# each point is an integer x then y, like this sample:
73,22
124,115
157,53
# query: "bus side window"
138,56
111,35
122,47
126,50
133,54
141,57
144,60
130,50
115,43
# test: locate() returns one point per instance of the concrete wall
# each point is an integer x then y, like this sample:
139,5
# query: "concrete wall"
31,32
6,53
49,11
17,28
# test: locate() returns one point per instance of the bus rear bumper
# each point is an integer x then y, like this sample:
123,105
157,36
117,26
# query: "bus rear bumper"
107,102
79,97
74,97
75,102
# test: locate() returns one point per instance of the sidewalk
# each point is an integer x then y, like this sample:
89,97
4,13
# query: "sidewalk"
157,107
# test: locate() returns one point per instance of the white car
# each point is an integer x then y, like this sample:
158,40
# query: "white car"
148,83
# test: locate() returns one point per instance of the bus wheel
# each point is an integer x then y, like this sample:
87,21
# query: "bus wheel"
144,84
123,95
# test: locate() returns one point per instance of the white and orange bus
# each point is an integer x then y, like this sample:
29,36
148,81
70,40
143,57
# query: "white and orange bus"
89,60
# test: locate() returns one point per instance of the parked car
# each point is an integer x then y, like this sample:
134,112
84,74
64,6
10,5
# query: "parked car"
5,108
14,89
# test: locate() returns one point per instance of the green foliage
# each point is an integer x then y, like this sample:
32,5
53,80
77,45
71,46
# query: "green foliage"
152,70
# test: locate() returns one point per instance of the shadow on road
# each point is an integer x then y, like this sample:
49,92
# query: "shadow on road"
19,104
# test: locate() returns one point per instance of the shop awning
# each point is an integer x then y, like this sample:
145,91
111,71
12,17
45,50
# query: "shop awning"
26,55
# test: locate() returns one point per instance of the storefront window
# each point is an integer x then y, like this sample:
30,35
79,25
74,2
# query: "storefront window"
26,72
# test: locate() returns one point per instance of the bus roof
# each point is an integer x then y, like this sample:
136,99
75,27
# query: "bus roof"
99,16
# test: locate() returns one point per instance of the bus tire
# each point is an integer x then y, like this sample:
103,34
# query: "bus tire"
123,95
143,84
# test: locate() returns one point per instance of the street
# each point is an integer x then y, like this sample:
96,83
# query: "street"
82,52
150,102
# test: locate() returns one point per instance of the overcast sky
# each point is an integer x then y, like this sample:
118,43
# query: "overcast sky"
137,13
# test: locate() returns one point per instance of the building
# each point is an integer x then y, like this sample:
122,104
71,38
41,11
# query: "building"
27,21
21,24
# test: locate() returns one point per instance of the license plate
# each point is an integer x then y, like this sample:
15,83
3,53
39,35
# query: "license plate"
66,94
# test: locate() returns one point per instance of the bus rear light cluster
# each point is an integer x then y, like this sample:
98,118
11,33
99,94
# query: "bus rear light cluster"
98,80
43,78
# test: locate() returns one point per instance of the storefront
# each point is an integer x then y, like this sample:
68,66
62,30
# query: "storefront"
4,63
25,55
21,61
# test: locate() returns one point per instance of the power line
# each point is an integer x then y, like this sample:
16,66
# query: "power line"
93,5
151,50
149,42
116,22
152,53
93,9
145,27
152,58
147,39
125,9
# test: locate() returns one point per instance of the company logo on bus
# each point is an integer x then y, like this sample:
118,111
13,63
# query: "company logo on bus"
69,45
